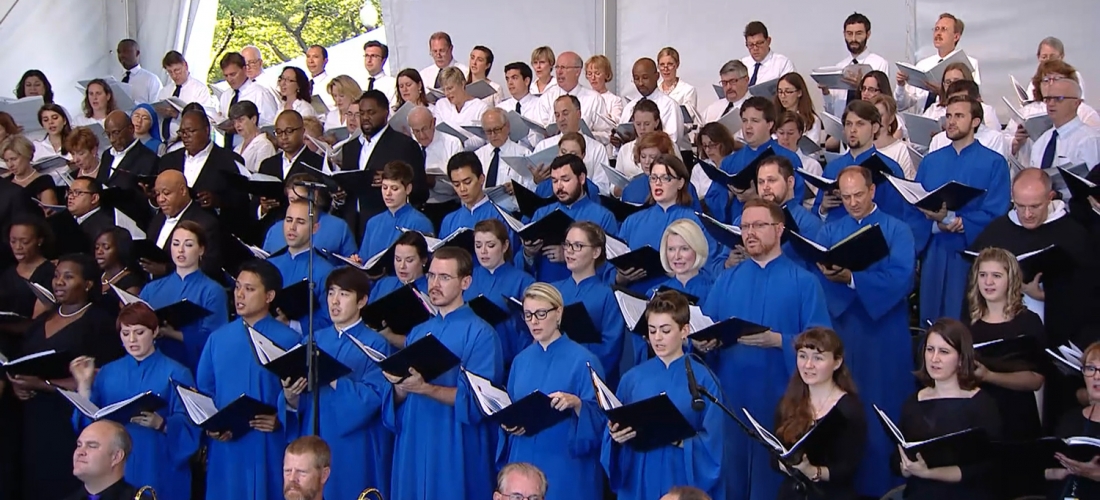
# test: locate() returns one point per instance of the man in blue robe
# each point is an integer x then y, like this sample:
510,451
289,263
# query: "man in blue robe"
944,270
468,178
444,446
293,265
384,228
333,234
350,407
771,290
568,175
861,125
248,466
775,183
757,124
870,311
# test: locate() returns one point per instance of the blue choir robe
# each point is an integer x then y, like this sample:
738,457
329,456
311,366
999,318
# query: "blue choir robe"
388,284
545,189
294,269
198,288
385,227
646,228
583,209
351,420
741,158
504,281
698,286
944,271
159,459
333,236
445,451
638,192
872,320
466,218
788,299
886,196
701,461
717,200
808,226
248,467
599,301
569,452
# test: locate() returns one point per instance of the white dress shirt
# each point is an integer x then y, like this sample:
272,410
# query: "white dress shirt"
899,152
333,119
319,87
470,114
303,108
593,106
534,88
429,73
258,150
368,147
672,120
144,85
909,96
170,225
191,91
497,97
259,95
988,137
1087,114
835,102
82,218
192,165
1077,143
117,156
595,156
504,171
288,163
436,156
935,112
383,83
717,109
772,67
529,109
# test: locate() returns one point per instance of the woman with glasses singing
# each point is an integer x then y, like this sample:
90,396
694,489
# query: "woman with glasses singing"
1079,478
295,91
568,452
254,146
700,460
791,95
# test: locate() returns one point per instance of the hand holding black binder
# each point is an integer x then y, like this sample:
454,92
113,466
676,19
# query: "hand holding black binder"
550,229
121,411
957,448
656,421
401,310
953,194
45,365
428,356
234,417
293,363
646,258
729,236
1009,355
859,251
533,413
178,315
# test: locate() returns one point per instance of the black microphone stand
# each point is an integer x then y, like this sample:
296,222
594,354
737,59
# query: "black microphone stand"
312,357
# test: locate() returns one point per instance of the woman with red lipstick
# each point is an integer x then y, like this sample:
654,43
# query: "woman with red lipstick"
1076,479
951,401
997,312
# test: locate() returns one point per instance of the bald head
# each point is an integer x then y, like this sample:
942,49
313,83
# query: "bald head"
422,125
1063,110
568,70
495,124
99,459
645,76
253,61
171,191
1031,178
1032,191
1065,87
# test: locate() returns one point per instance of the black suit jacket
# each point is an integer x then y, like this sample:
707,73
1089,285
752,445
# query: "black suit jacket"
103,218
273,165
216,177
215,237
130,198
392,146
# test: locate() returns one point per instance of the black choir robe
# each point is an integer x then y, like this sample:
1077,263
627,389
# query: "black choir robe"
138,162
121,490
392,145
211,262
220,166
102,219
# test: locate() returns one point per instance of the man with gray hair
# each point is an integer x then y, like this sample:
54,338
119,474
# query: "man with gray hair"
100,462
438,149
568,71
1052,49
734,78
520,481
442,51
1070,140
494,122
254,69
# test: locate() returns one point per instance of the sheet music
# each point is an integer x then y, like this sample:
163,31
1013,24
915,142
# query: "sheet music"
128,298
372,353
632,308
491,398
604,395
265,348
200,407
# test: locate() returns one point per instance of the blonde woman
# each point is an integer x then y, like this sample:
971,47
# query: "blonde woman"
542,64
597,70
684,251
344,91
17,152
888,142
459,108
668,65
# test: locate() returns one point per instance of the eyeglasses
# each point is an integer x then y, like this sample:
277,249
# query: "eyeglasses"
786,92
756,45
1089,370
443,278
1051,99
73,193
563,68
285,132
756,226
539,315
188,131
874,90
731,81
575,246
494,131
663,179
519,496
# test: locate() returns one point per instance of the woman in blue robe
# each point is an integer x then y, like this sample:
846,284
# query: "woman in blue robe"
247,466
648,149
333,234
584,251
351,422
496,279
185,343
164,440
409,260
386,226
569,451
700,460
684,251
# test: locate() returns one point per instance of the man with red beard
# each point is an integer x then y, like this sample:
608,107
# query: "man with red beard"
306,468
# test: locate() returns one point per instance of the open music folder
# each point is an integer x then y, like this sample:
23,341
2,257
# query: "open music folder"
655,420
293,363
233,417
120,411
532,412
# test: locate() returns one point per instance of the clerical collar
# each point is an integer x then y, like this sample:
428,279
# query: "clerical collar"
115,152
180,214
341,331
82,218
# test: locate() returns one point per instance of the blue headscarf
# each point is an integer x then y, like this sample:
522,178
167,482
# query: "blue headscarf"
154,130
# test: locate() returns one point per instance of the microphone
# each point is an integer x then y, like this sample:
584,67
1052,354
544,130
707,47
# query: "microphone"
311,185
697,403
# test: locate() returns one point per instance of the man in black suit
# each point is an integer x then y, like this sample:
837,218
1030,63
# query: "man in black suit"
378,145
83,203
175,203
124,165
295,158
210,173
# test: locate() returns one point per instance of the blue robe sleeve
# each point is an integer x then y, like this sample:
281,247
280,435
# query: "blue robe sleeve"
617,460
585,436
612,329
704,454
717,200
994,203
183,435
204,374
881,286
214,300
483,357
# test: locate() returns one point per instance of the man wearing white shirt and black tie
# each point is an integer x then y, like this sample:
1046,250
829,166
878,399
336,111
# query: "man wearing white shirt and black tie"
568,71
945,37
857,32
763,64
438,149
497,129
518,76
567,116
242,88
254,68
375,54
645,77
442,51
183,86
144,85
1070,140
316,61
734,78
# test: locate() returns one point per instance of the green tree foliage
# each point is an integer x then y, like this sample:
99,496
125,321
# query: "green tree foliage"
284,29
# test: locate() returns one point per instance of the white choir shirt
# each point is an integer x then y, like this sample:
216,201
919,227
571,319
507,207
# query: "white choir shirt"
117,156
258,150
437,154
333,119
614,105
909,96
497,97
191,91
429,73
319,87
192,165
1077,143
504,171
835,102
534,88
470,114
368,146
899,152
684,95
1085,113
672,120
529,109
259,95
383,83
593,106
717,109
772,67
625,162
988,137
935,112
83,121
303,108
1080,82
595,156
144,85
170,225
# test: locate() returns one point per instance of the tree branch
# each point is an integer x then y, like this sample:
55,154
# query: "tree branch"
278,53
228,37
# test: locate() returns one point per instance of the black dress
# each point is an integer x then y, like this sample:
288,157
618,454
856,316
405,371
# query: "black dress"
110,302
1074,424
840,455
38,185
16,296
48,435
1018,409
931,418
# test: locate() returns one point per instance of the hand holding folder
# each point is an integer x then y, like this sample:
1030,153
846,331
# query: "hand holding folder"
428,356
533,413
655,421
234,418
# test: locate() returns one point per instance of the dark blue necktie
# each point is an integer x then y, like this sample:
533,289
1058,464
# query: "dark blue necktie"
229,135
494,168
755,71
1049,152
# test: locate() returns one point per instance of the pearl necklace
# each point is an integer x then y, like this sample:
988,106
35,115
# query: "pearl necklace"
78,311
28,177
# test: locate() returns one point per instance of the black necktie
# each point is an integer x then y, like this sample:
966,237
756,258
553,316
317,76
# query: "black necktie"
370,83
729,107
229,135
517,107
166,124
424,149
438,82
932,95
126,77
494,167
1049,152
755,71
853,95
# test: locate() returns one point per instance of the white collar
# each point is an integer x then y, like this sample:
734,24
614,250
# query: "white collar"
484,199
82,218
294,158
1056,210
168,219
201,154
764,61
124,151
320,76
364,141
341,331
874,208
133,70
